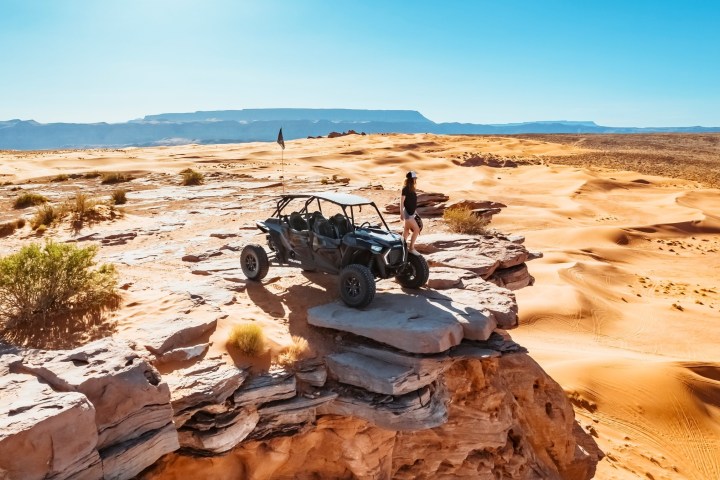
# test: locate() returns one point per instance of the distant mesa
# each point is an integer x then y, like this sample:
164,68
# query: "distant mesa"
290,114
262,124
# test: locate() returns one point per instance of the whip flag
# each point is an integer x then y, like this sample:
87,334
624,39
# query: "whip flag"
281,142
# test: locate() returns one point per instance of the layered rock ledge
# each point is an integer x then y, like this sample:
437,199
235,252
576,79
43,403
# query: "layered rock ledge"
421,384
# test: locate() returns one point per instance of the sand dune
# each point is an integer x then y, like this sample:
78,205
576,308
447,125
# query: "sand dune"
625,311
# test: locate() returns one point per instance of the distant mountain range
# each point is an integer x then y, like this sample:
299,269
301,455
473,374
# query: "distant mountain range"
262,125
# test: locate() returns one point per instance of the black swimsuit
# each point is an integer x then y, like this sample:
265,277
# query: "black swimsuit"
410,203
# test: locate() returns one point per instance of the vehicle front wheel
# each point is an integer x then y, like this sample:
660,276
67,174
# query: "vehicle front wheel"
357,286
254,262
416,272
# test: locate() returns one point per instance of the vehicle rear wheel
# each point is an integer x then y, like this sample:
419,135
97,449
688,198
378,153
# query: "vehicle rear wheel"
357,286
254,262
416,273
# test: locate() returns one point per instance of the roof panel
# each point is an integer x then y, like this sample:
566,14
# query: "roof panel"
335,197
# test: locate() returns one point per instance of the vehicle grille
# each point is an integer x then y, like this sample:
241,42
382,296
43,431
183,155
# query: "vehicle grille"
395,256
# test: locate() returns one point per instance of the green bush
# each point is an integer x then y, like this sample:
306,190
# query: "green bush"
191,177
45,215
248,338
115,177
119,197
463,220
28,200
41,281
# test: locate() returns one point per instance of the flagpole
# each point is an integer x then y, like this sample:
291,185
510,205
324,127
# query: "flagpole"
281,142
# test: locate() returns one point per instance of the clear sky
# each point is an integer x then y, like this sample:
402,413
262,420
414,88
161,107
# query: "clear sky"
617,62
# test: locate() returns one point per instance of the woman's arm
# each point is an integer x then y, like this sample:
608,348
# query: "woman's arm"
402,203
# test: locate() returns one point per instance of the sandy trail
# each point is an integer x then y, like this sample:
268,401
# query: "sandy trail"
625,311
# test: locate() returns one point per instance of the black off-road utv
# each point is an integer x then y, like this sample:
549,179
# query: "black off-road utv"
357,246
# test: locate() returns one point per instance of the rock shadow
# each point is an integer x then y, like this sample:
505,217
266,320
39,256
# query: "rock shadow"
64,331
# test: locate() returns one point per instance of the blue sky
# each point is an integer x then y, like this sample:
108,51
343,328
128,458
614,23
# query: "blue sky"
620,63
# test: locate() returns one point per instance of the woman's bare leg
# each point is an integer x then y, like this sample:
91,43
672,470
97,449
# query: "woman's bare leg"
415,228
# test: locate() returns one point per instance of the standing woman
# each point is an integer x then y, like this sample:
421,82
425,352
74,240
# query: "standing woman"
408,204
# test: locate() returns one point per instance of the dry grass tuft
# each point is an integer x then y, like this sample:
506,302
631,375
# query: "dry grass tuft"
29,200
80,207
119,197
463,220
115,177
45,215
8,228
298,350
248,338
94,174
60,178
192,177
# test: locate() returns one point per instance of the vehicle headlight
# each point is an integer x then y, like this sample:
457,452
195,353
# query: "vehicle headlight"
376,248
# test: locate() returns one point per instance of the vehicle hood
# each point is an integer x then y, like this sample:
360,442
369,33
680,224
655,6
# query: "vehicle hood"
381,237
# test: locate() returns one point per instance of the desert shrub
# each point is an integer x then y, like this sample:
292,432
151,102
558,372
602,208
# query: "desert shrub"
192,177
290,354
248,338
115,177
119,197
45,215
59,178
80,207
29,200
463,220
44,280
94,174
7,228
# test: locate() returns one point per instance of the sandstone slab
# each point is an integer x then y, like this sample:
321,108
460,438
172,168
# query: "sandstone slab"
126,391
421,364
515,278
315,375
442,278
376,375
408,322
277,384
220,437
184,354
507,251
207,382
290,415
499,301
436,242
467,308
126,459
477,263
169,333
419,410
44,433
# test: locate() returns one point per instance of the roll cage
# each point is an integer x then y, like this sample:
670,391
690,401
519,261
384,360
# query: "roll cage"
347,202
